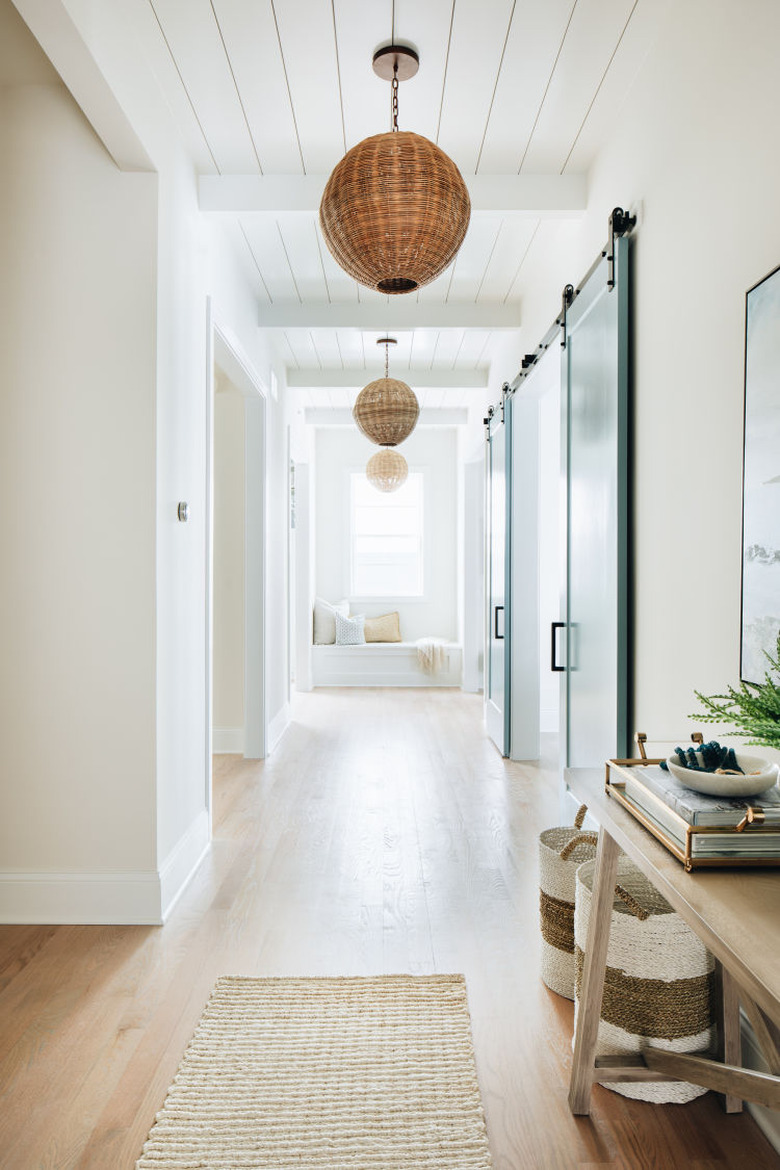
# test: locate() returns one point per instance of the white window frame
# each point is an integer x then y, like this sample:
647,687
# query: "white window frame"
388,598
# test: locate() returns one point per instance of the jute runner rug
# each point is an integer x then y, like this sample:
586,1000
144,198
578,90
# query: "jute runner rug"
318,1074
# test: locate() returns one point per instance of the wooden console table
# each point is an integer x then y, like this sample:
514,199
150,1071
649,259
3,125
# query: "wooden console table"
736,914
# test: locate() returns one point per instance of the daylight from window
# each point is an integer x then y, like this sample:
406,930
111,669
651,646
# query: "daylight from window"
386,539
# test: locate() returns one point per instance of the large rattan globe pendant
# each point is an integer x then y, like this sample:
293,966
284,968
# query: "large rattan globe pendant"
386,410
395,209
387,470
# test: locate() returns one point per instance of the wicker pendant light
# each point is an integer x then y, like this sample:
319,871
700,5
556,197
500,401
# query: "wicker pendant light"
386,410
387,470
395,209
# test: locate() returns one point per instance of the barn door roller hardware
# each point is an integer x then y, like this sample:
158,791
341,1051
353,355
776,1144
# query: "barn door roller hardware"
566,299
620,224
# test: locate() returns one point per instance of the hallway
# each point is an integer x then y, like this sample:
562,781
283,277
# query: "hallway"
385,834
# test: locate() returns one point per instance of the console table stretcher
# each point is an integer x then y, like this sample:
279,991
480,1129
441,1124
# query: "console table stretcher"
736,914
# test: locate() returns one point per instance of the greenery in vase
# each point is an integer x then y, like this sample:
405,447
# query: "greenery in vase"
752,709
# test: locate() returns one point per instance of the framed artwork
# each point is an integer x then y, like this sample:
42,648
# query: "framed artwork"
761,479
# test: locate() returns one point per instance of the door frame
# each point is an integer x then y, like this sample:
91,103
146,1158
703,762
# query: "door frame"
224,350
496,720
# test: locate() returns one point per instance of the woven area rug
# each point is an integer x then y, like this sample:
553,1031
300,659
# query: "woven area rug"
371,1073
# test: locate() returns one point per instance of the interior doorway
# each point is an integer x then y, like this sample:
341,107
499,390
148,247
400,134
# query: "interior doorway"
235,640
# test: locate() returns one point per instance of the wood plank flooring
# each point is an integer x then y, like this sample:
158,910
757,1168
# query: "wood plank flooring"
385,834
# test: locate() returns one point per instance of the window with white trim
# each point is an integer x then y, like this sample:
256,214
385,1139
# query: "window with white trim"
386,538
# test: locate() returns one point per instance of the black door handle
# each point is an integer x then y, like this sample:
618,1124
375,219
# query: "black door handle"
554,644
496,635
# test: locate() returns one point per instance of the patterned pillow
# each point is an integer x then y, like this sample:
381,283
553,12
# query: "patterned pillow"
385,628
349,630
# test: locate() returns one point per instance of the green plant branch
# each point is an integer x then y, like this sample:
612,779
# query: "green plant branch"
752,710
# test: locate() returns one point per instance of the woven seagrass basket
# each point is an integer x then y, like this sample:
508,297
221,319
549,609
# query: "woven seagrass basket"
659,986
561,851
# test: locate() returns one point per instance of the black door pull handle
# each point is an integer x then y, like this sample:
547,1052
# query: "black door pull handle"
496,635
554,645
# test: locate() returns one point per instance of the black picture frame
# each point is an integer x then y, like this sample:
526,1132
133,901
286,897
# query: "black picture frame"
760,602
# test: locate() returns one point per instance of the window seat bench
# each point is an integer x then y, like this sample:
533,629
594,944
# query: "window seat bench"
382,664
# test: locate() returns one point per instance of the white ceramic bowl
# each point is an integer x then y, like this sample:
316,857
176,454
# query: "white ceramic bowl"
716,784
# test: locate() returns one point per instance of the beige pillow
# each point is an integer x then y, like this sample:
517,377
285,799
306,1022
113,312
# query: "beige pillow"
385,628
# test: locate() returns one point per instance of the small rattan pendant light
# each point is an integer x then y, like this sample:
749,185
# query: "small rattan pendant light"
386,410
387,470
395,209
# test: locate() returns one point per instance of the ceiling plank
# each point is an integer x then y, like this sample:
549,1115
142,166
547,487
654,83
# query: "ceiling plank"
533,195
417,376
306,34
592,37
471,261
642,31
511,247
479,32
300,244
249,31
267,246
534,41
426,27
193,36
399,313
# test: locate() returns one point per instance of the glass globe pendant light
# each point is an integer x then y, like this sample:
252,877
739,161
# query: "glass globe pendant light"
395,210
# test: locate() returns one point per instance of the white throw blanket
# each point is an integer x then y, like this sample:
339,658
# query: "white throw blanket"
431,654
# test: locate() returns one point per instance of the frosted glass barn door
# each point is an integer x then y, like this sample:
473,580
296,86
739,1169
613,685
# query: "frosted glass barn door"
596,684
498,637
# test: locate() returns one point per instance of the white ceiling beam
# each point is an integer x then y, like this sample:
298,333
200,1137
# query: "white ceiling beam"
533,196
400,312
421,379
67,47
341,416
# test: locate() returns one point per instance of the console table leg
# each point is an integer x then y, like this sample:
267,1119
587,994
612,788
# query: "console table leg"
729,1029
589,1009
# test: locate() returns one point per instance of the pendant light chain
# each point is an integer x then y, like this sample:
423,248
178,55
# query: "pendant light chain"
387,359
394,99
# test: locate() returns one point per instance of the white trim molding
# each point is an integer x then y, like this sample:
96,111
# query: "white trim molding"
115,899
228,741
278,726
181,863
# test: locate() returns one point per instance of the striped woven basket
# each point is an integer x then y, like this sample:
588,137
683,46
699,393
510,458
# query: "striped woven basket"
561,851
659,986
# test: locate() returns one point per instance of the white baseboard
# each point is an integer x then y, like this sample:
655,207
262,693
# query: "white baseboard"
182,861
278,726
115,899
767,1120
227,741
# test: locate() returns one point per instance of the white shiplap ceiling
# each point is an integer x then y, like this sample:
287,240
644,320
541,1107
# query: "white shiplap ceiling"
269,94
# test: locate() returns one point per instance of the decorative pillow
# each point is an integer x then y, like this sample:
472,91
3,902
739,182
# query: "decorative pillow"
349,630
385,628
325,620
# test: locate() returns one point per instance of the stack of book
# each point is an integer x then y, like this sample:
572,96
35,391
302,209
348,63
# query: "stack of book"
699,830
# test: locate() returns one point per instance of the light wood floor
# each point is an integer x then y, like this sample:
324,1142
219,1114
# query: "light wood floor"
384,834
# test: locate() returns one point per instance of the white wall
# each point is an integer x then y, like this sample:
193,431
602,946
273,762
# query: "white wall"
340,450
692,143
77,458
106,375
228,663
